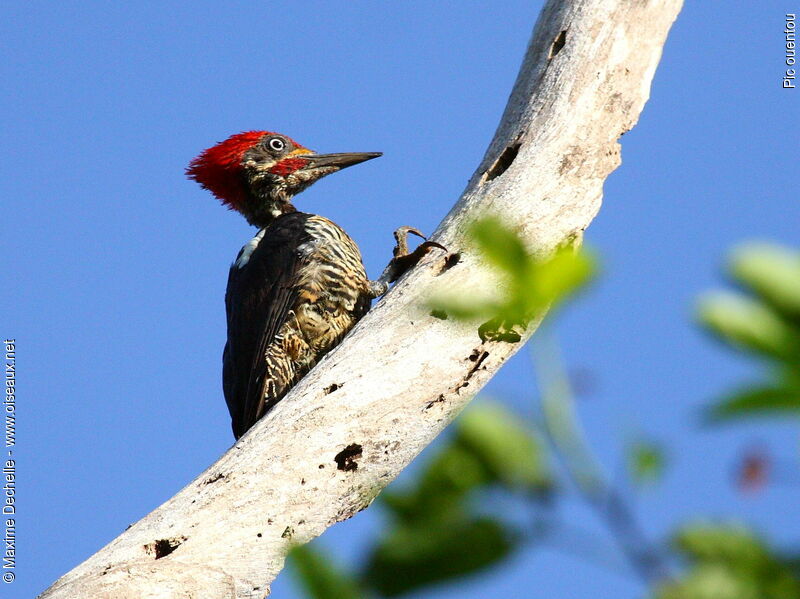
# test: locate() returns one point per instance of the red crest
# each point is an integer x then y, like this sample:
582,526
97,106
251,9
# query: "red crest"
217,168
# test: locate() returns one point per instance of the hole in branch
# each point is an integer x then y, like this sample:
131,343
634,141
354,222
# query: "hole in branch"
558,43
333,387
163,547
501,164
450,261
346,459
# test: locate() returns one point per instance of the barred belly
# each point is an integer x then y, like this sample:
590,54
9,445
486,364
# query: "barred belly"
333,295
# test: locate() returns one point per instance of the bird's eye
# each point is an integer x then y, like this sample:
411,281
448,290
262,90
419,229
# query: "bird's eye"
276,144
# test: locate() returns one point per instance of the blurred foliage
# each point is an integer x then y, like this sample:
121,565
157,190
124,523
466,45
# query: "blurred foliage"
444,525
560,420
646,462
761,320
727,562
530,284
757,401
437,532
412,556
318,576
436,529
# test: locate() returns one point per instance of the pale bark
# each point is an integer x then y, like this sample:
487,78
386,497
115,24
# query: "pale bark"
359,418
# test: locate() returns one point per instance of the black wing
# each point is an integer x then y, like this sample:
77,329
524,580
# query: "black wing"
258,301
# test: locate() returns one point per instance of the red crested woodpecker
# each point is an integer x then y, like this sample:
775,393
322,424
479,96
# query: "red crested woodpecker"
299,285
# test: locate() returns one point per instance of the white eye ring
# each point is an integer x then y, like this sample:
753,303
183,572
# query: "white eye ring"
277,144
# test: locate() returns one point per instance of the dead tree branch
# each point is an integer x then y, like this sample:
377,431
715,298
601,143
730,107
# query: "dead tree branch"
402,375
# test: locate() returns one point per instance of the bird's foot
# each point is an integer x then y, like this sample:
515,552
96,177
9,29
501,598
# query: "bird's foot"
403,260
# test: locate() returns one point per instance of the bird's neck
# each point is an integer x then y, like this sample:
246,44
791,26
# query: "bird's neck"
261,212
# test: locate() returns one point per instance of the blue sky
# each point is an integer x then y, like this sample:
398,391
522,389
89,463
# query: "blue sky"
114,265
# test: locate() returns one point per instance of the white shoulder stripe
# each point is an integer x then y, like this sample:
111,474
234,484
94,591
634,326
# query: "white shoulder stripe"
249,248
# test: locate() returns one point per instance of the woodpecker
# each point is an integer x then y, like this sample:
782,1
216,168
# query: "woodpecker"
299,285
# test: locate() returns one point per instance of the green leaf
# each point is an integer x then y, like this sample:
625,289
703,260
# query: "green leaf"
729,562
646,462
460,308
490,447
439,495
412,557
756,401
319,577
710,582
564,273
509,450
532,284
792,562
728,544
772,271
501,246
434,534
749,325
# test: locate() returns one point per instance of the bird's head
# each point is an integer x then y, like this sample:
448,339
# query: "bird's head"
258,172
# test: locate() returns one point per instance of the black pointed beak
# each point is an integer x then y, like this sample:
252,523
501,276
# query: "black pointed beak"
342,160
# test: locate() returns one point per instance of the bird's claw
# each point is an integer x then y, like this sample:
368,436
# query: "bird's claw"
401,237
404,260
